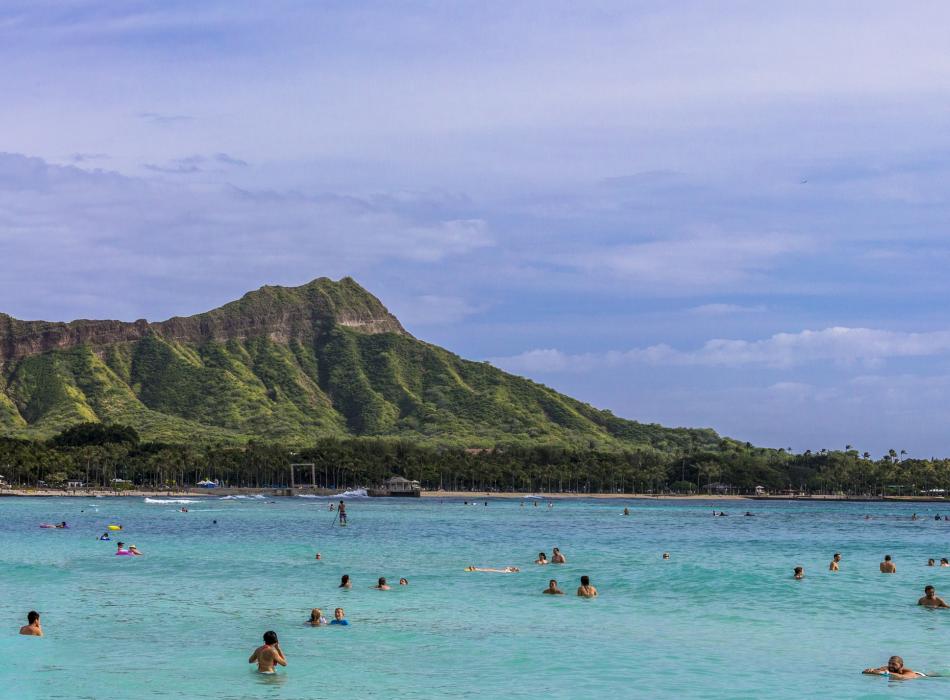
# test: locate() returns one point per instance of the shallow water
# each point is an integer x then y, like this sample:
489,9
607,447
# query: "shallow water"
721,619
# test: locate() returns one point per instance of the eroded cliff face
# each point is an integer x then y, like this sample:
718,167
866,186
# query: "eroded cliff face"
280,314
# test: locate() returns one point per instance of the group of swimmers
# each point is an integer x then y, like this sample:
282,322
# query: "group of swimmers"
895,666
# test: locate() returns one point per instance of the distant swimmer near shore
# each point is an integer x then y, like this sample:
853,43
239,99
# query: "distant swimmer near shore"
316,618
799,573
339,618
403,582
626,511
557,557
381,584
944,562
585,590
345,582
666,555
32,628
506,570
895,669
542,558
268,655
887,566
552,588
835,560
931,562
931,599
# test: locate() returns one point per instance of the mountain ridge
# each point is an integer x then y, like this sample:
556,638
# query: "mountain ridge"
288,364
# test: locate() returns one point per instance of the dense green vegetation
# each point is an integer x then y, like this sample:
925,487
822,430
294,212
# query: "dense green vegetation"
97,455
291,366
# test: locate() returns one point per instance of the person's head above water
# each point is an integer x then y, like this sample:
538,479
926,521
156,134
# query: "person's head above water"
338,613
837,556
887,557
666,555
120,545
929,591
931,562
403,582
552,584
315,615
895,664
585,580
270,637
799,572
345,581
33,616
381,581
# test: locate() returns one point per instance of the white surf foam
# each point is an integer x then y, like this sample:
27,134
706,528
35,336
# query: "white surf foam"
170,500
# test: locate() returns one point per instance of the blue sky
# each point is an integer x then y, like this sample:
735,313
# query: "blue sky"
732,215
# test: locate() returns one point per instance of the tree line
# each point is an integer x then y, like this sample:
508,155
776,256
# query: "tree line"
107,456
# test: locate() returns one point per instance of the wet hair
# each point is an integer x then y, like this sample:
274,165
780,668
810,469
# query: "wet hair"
887,557
799,570
315,614
928,588
931,562
837,554
345,580
585,580
895,661
338,610
552,582
555,550
542,555
382,581
403,582
32,616
944,561
119,544
270,637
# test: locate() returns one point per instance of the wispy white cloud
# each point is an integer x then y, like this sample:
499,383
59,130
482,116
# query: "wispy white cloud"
719,309
838,345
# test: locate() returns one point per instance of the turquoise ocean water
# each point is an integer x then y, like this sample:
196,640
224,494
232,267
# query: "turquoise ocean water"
722,619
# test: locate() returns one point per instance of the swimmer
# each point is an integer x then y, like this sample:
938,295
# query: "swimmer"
345,582
585,590
506,570
914,517
944,562
867,517
318,557
931,562
626,511
338,618
342,513
121,551
214,522
557,557
332,506
895,669
403,582
666,555
62,526
381,584
887,566
133,550
542,558
104,537
835,560
936,517
931,599
552,588
269,654
316,618
749,514
799,573
32,628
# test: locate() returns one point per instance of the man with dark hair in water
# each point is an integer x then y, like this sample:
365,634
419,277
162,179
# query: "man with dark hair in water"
835,560
895,669
33,628
887,566
342,513
931,599
269,654
552,588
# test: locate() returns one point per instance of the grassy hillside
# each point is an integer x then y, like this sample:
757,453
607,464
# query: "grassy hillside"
293,365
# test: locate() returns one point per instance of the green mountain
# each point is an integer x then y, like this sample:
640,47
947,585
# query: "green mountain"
287,364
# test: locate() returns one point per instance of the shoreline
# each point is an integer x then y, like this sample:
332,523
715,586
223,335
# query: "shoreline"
196,492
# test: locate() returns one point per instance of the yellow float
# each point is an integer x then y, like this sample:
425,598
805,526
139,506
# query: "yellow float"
115,527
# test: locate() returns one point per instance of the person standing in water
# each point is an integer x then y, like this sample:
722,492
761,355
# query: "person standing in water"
931,599
585,590
381,584
339,617
557,557
345,582
268,655
833,566
342,513
887,566
32,628
552,588
799,573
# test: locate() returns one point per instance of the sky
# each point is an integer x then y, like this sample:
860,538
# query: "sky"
732,215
